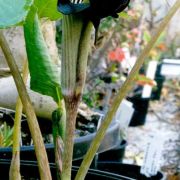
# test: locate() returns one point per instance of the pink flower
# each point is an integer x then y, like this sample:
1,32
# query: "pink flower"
138,40
129,36
131,13
135,31
120,54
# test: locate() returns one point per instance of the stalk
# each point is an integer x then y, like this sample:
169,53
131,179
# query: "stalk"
14,173
58,128
76,44
122,94
41,155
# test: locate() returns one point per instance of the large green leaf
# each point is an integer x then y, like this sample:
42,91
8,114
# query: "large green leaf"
48,8
13,12
45,77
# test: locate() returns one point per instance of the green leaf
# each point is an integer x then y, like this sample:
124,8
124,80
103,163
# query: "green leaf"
6,133
48,8
146,36
161,38
13,12
45,77
124,15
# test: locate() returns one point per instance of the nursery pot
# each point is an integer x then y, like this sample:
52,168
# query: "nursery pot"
128,170
81,144
156,93
29,170
114,155
140,106
93,163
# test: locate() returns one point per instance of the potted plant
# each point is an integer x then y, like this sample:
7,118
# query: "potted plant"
84,134
76,37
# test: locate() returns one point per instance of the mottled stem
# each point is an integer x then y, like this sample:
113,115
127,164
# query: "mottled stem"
76,44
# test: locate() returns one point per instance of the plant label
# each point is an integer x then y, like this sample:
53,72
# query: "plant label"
124,114
152,157
170,67
151,71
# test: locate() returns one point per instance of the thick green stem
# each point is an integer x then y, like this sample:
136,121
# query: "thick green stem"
28,108
76,43
122,94
14,173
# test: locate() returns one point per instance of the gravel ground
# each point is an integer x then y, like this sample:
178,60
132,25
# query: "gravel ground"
164,118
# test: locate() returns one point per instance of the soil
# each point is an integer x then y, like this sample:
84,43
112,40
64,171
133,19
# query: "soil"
87,122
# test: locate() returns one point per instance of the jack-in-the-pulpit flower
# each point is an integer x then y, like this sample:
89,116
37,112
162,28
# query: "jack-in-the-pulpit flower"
95,10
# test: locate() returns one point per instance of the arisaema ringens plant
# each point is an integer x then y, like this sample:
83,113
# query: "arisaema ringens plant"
78,19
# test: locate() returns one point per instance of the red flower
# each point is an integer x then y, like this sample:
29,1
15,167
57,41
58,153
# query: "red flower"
162,47
112,56
116,55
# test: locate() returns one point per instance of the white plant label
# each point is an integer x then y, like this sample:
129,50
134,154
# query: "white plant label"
151,71
124,114
152,157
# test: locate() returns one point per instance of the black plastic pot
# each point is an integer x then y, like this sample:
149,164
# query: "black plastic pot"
140,106
115,155
93,163
156,93
81,144
29,171
128,170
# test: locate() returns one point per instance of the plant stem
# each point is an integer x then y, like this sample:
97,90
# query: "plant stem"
71,110
121,95
14,173
58,126
76,44
31,116
60,123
